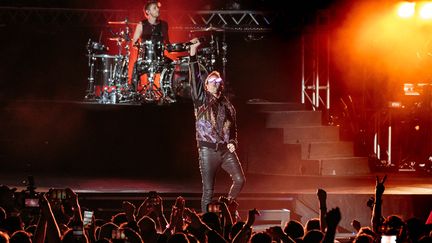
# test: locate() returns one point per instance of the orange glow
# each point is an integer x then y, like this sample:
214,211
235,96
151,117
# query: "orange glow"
374,48
406,9
426,11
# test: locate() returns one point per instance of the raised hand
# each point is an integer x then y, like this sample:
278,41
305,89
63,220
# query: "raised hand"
195,221
180,206
276,233
129,210
356,225
144,209
379,186
252,216
71,196
176,219
333,217
322,195
193,48
158,206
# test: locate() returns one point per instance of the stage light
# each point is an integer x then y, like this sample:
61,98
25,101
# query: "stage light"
426,11
406,9
417,128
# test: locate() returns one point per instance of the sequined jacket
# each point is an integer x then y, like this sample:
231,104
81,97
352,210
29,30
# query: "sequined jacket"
215,117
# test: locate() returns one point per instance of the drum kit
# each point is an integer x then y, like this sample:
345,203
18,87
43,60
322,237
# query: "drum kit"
161,79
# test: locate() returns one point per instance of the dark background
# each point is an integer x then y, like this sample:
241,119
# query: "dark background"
44,72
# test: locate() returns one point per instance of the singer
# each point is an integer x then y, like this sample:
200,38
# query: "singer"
216,131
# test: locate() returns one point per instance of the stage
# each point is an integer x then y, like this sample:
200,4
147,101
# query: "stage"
407,195
291,140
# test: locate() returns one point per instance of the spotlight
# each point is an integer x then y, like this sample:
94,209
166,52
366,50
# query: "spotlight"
406,9
426,11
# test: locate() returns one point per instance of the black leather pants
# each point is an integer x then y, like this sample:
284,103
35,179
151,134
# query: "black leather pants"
210,162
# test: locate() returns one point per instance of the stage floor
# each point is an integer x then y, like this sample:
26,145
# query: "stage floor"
396,184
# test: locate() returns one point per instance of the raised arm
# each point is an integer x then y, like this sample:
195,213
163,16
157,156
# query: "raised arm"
333,218
40,233
137,34
196,82
53,231
245,233
377,207
322,198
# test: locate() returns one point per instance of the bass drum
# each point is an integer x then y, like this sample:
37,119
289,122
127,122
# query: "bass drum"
175,79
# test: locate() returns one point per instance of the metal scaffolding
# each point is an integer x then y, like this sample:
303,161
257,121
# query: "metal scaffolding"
228,20
315,62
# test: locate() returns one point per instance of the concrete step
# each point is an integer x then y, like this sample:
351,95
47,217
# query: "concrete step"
343,166
266,153
275,106
304,134
275,119
321,150
278,159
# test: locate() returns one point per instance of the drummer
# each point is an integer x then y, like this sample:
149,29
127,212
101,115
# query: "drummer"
152,28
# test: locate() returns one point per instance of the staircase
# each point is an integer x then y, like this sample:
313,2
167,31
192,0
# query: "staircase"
286,139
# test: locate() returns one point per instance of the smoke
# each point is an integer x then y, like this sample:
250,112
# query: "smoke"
373,45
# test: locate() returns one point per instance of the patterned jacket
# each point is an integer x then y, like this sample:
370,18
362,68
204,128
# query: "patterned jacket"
215,117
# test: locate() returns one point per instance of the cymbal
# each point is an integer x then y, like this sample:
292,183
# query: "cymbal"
209,29
122,22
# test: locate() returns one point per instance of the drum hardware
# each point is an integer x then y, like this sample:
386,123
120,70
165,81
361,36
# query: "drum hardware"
92,48
150,91
108,74
175,79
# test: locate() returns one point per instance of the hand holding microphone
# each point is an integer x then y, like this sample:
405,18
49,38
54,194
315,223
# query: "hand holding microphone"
194,43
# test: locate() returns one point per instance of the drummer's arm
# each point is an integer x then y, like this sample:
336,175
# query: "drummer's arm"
137,34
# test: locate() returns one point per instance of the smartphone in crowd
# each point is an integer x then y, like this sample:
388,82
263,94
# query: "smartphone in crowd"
88,218
77,232
214,207
58,194
388,239
31,202
118,234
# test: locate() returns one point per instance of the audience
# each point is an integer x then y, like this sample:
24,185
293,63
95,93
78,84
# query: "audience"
58,218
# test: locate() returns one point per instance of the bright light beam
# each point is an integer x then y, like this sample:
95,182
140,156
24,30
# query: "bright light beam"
406,9
426,11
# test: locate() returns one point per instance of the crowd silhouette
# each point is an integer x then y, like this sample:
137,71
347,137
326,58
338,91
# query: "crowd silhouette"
56,216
